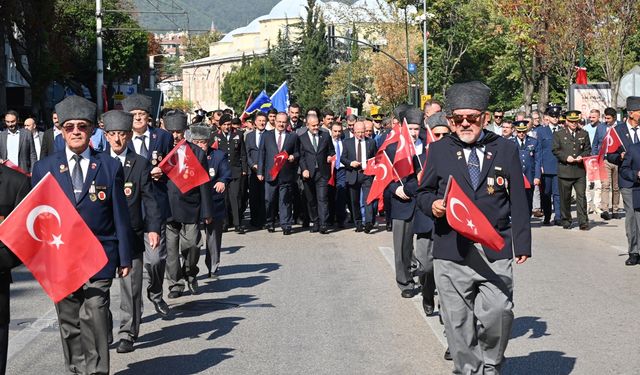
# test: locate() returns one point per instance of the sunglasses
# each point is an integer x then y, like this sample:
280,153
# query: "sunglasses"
68,128
497,116
439,135
471,119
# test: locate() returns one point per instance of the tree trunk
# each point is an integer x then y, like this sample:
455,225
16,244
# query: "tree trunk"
543,91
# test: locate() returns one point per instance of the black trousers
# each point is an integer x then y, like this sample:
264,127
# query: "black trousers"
233,197
256,201
315,191
281,205
5,280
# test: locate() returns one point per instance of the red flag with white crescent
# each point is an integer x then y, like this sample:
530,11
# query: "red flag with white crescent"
52,240
611,142
593,165
279,160
466,218
392,137
403,160
183,168
527,183
382,178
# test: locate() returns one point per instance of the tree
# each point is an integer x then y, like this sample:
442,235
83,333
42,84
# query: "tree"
198,45
255,75
309,80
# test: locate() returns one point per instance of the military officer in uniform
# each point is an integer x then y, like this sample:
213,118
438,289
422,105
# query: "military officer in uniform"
145,218
475,284
549,194
15,187
570,145
94,183
152,144
187,211
231,141
220,174
530,158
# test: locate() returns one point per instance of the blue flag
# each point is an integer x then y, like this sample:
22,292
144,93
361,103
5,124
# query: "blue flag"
280,98
261,103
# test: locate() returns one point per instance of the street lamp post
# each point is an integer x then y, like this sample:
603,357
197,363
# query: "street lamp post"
425,82
99,62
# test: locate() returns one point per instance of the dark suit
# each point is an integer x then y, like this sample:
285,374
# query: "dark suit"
84,315
359,184
338,194
145,216
473,287
315,187
256,187
187,211
14,186
282,185
531,160
234,147
549,191
572,175
27,155
219,171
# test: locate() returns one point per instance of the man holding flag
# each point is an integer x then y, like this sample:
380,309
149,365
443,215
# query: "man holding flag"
94,183
475,283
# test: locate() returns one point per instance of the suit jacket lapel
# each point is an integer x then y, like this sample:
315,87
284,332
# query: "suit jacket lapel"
490,152
152,140
129,162
94,166
63,175
3,143
461,163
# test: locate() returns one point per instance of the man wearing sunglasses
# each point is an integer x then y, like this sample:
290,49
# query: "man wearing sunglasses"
496,125
475,284
94,183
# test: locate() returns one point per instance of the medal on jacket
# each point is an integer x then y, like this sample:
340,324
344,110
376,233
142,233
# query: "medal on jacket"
92,192
490,184
212,172
154,157
128,189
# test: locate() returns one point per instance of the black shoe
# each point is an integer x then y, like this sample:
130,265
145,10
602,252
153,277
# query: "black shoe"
566,226
240,230
584,226
286,231
162,308
323,229
225,228
174,294
271,228
389,227
428,308
407,293
314,229
125,346
359,228
632,260
193,286
605,215
447,355
557,223
368,227
546,223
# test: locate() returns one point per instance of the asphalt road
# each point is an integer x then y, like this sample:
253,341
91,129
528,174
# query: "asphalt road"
327,304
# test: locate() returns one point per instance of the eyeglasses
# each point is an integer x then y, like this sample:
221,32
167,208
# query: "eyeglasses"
498,116
471,119
68,128
440,135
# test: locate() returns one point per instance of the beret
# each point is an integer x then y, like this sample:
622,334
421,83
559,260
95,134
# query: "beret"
224,118
200,131
468,95
137,101
175,120
413,116
633,103
117,121
437,119
76,108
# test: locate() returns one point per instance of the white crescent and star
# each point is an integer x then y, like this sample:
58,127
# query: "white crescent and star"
590,162
384,168
456,202
33,215
402,143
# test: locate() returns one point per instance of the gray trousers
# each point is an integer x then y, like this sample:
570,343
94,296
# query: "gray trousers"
182,243
154,262
213,244
403,251
630,220
84,317
476,302
131,302
536,197
424,256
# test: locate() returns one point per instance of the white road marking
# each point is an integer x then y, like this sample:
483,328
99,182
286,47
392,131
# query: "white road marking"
31,332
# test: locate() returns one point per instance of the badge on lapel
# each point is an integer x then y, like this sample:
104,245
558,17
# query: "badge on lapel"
459,154
489,155
63,168
93,165
212,172
128,189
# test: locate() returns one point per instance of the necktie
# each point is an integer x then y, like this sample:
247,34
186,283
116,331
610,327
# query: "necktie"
553,129
280,141
314,137
635,135
338,154
76,177
522,145
144,151
358,153
474,168
258,137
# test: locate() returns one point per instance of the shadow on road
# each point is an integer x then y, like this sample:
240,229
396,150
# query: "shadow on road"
188,330
227,284
536,363
246,268
231,249
524,324
179,364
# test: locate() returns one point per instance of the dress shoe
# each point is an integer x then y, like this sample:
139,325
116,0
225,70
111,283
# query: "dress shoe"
547,223
174,294
271,228
323,229
566,226
193,286
162,308
447,355
632,260
240,230
538,213
368,227
286,231
225,228
359,228
584,226
314,229
557,223
124,346
407,293
389,227
428,308
605,215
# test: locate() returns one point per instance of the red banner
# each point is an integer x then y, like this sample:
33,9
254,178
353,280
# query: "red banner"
278,162
186,172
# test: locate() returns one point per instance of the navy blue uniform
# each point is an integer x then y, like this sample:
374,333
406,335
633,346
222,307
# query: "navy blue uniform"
531,160
549,192
219,171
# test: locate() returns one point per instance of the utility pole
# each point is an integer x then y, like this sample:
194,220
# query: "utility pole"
99,62
425,82
406,31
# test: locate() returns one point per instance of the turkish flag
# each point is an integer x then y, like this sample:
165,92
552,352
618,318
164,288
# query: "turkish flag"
527,183
10,164
187,173
214,145
465,218
403,160
48,235
581,76
332,179
382,178
611,142
392,137
278,162
594,166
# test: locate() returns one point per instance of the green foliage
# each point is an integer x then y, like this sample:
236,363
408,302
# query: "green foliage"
179,103
252,76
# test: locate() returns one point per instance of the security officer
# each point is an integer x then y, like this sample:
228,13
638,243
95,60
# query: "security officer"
570,145
152,144
475,285
187,211
231,141
220,174
94,183
15,187
145,218
549,194
530,158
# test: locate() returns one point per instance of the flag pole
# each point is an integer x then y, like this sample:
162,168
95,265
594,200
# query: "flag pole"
446,191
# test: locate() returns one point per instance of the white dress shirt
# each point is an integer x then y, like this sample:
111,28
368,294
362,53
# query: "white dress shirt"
363,151
122,157
38,143
137,142
284,137
479,152
84,162
13,146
